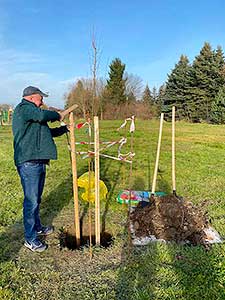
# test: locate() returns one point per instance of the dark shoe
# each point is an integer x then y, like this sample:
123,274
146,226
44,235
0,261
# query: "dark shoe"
35,246
46,230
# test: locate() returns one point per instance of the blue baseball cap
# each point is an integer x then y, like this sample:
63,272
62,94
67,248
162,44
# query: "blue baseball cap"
31,90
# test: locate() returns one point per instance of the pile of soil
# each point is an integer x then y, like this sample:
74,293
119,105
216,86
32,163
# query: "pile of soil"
171,219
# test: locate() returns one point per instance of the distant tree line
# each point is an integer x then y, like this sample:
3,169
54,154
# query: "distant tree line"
119,96
197,90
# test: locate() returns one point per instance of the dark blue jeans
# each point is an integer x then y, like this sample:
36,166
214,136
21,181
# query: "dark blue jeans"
32,175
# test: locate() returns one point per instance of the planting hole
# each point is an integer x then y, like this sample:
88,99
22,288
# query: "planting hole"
67,239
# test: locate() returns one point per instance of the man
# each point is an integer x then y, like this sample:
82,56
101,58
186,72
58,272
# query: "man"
33,149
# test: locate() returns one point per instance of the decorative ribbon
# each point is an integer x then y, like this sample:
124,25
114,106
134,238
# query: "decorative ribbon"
132,125
81,125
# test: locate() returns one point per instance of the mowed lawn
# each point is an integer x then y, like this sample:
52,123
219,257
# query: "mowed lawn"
156,271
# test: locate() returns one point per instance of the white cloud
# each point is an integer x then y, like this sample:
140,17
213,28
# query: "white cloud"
11,87
17,70
12,60
14,77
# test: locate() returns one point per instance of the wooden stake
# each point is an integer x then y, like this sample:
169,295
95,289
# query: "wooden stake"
97,200
89,208
157,155
173,151
69,109
75,188
89,191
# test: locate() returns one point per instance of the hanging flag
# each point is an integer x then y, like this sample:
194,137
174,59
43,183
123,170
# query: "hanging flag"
80,125
132,125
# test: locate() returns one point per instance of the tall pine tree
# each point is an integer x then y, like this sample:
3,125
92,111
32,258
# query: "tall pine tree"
160,98
147,98
116,83
177,87
218,69
154,94
217,114
203,82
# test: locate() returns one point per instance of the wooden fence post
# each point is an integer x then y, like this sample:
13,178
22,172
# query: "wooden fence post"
97,199
75,187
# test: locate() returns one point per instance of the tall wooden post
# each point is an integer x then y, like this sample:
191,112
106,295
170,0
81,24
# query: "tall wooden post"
97,198
75,188
157,155
173,151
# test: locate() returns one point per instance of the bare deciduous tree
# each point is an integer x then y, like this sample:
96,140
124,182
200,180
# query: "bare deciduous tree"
94,67
81,94
134,85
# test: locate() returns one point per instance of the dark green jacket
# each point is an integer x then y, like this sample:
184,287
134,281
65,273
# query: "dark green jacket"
32,136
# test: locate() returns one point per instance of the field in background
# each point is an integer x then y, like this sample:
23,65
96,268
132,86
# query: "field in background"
158,271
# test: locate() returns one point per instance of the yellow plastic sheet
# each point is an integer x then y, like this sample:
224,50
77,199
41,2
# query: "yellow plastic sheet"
83,182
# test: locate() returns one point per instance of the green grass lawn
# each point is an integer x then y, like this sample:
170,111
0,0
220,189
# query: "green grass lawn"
156,271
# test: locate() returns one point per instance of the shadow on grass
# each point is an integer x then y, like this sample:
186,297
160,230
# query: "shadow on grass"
138,184
137,275
12,239
200,273
170,271
192,272
163,185
111,186
105,165
149,172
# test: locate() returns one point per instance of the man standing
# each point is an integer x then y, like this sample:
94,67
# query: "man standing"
33,149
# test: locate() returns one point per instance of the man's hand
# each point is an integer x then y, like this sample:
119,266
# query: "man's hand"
67,111
62,115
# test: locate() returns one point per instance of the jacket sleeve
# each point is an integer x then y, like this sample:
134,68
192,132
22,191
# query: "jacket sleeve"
59,131
36,114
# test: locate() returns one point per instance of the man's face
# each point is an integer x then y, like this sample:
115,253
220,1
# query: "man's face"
37,99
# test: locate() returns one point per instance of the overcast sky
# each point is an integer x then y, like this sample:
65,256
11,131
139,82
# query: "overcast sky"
47,43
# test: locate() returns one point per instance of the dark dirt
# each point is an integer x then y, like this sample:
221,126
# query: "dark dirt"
171,219
67,238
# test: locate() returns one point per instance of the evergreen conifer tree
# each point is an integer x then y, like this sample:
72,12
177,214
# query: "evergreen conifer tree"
116,83
217,113
160,98
218,69
203,82
154,94
208,76
147,96
177,87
